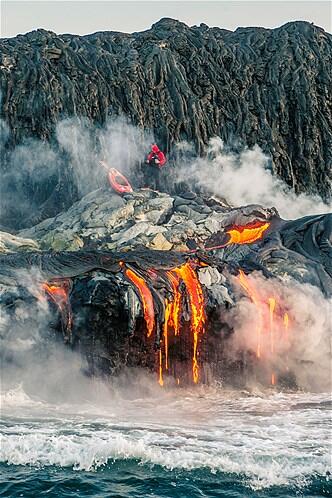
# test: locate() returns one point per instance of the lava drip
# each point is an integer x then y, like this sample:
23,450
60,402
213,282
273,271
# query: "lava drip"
286,325
146,298
161,380
184,288
252,293
197,313
173,308
272,305
59,295
168,312
272,328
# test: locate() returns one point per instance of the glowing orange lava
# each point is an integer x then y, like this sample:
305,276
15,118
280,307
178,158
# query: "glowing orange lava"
272,305
196,298
146,298
186,275
168,310
245,284
271,320
247,234
161,380
59,295
286,324
175,305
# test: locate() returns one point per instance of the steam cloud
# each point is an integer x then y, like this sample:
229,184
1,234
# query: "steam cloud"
245,178
306,352
241,178
35,363
34,168
29,350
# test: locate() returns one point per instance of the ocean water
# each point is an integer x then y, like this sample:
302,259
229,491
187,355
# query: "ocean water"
132,438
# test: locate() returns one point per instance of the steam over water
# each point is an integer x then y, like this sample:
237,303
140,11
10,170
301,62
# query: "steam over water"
133,438
63,434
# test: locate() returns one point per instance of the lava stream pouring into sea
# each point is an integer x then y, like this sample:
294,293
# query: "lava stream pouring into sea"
146,299
272,324
59,295
186,289
197,312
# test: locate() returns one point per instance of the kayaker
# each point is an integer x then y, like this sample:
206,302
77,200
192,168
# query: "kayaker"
155,161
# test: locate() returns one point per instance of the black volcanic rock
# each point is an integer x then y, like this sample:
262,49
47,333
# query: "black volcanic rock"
254,85
90,300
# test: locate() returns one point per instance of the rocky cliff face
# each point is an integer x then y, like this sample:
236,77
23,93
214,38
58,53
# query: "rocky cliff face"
255,85
173,289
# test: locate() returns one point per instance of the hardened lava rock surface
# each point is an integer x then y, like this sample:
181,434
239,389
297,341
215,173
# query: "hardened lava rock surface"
270,87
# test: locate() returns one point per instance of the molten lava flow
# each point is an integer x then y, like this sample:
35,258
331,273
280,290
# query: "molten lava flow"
244,282
196,300
272,321
286,325
161,380
247,234
146,298
168,310
195,362
272,305
174,306
59,294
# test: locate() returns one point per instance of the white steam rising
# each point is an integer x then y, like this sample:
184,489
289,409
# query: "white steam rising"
304,348
244,178
122,145
35,169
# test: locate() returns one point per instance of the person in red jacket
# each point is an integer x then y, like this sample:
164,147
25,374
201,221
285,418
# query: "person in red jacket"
155,161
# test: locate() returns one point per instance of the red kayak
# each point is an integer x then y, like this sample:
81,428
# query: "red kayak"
118,182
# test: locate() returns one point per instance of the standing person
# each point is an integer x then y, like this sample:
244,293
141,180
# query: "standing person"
155,161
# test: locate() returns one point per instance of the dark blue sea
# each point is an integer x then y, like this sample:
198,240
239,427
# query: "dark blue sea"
84,437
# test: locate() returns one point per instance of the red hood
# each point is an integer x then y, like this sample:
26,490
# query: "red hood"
155,148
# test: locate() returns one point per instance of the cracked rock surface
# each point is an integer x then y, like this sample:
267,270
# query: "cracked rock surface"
147,218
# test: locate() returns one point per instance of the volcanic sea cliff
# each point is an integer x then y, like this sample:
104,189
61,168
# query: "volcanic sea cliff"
163,283
181,281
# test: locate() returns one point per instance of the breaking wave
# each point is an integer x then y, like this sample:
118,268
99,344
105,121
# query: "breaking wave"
266,439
